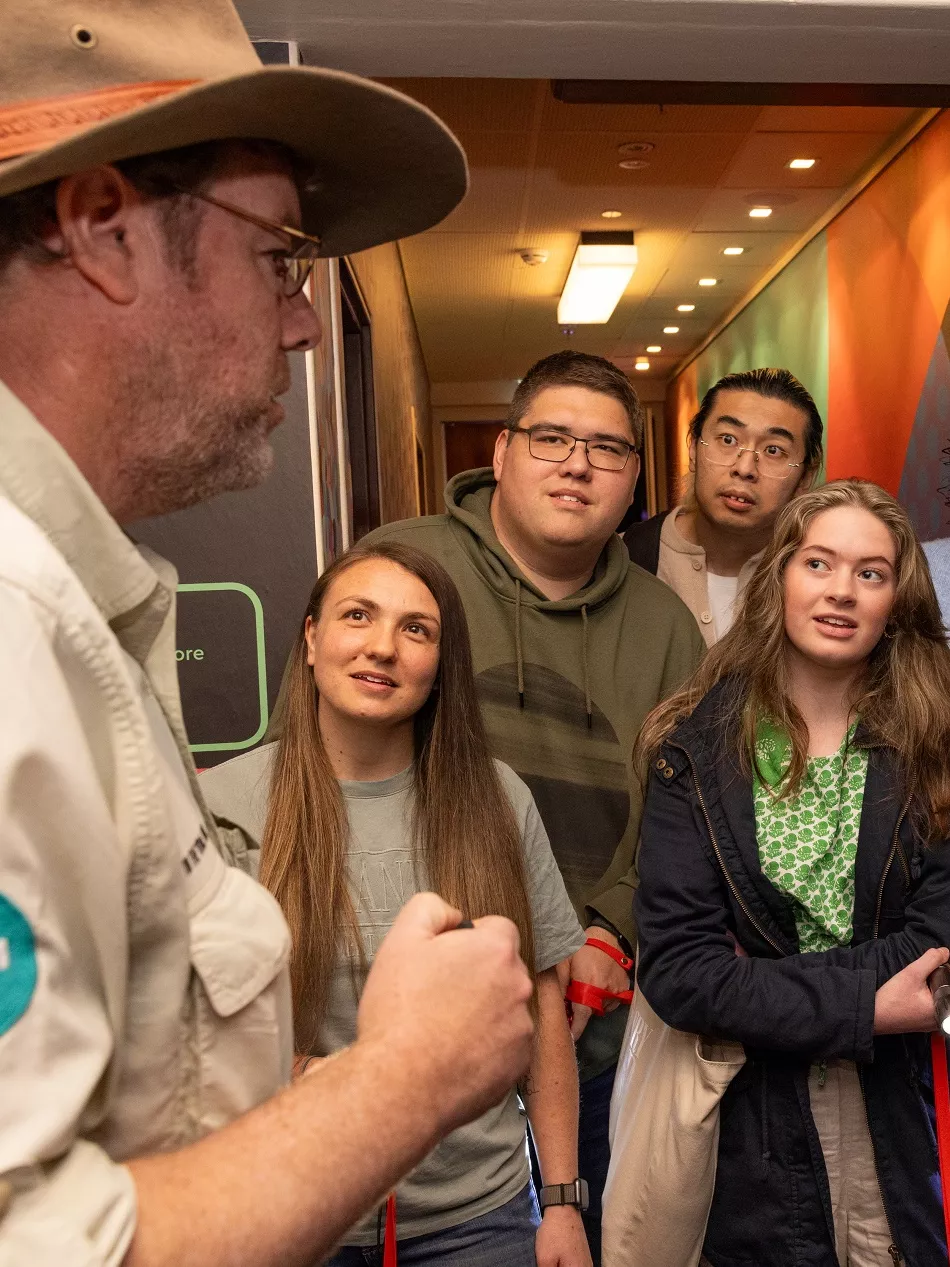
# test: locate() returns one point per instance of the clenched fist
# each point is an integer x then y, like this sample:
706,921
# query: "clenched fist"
453,1005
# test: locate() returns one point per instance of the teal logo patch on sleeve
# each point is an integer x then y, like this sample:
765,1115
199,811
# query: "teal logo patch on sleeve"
17,964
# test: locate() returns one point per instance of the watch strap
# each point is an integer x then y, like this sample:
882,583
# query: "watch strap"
575,1194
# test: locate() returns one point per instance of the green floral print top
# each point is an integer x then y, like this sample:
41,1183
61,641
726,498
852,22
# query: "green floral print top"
808,842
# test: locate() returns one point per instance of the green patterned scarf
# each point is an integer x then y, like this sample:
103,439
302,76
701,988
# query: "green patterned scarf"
808,842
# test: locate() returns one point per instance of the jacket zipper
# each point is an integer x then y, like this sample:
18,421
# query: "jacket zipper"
892,1249
715,844
887,867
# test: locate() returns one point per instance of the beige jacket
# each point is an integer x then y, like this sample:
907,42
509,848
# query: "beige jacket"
143,986
682,566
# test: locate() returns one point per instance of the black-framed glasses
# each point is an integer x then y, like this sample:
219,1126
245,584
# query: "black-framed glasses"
294,266
550,445
771,460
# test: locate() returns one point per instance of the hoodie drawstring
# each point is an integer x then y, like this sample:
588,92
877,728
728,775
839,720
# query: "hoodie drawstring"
587,703
518,655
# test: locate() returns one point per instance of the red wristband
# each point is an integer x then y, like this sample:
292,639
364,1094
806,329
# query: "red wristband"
592,996
616,955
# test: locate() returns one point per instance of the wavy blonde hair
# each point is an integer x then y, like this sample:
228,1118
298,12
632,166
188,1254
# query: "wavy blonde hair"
903,697
466,839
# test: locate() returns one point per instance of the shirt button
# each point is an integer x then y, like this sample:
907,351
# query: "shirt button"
668,772
697,565
705,617
661,764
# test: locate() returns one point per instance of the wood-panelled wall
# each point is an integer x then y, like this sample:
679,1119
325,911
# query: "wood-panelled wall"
401,385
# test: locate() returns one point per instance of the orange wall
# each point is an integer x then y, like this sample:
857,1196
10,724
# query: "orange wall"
888,290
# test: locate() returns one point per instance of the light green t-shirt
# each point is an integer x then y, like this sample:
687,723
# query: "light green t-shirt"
481,1166
808,843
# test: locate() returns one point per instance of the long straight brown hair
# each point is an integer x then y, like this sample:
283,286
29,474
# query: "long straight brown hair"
902,697
466,840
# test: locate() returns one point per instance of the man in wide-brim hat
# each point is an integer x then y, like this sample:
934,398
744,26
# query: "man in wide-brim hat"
162,199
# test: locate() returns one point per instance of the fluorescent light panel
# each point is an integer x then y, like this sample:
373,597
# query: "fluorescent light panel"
801,164
600,272
733,250
685,307
671,329
760,213
642,364
654,347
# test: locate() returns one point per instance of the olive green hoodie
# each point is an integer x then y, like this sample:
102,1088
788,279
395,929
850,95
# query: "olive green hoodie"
565,686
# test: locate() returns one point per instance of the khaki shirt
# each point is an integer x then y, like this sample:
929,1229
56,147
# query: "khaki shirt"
682,566
143,985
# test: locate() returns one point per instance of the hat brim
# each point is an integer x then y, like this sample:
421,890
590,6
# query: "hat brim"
384,166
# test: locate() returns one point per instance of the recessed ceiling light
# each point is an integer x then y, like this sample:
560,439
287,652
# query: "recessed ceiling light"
685,307
611,215
634,164
760,213
709,281
654,347
733,250
671,329
801,164
642,364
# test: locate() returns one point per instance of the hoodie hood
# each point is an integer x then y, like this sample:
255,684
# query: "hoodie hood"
468,501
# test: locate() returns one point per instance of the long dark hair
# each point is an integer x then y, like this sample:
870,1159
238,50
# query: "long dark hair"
467,842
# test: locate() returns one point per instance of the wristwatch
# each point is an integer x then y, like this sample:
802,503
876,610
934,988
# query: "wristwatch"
564,1194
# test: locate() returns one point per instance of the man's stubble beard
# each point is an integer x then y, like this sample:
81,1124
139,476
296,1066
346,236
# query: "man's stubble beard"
179,448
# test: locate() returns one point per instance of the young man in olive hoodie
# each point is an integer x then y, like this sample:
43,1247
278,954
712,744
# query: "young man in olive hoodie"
573,646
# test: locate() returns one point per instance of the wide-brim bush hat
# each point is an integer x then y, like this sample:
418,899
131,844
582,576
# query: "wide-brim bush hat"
85,82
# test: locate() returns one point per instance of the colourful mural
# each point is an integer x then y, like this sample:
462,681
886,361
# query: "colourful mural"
862,317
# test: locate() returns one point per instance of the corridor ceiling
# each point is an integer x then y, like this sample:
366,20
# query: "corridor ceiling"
543,171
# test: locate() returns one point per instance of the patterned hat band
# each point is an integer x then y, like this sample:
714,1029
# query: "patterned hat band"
29,126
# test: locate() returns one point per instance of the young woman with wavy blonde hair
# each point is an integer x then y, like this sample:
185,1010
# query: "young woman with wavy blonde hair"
795,887
382,784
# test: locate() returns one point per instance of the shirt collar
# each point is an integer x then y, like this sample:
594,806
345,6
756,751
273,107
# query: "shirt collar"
40,478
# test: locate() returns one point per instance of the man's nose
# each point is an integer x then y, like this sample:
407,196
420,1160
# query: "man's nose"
577,462
746,465
300,325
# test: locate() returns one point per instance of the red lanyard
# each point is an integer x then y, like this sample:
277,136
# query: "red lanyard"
938,1051
592,996
389,1244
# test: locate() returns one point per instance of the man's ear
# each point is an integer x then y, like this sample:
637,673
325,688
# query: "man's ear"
634,458
692,452
501,449
102,232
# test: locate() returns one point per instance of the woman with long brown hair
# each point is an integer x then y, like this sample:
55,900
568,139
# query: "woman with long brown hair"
795,888
382,784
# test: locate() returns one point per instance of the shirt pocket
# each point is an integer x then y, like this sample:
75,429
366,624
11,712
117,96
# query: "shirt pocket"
243,1033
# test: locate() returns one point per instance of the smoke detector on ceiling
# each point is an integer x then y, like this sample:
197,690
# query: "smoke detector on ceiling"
532,257
630,148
